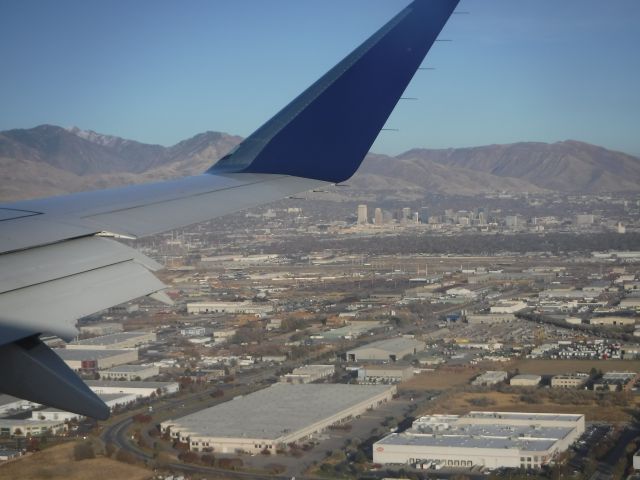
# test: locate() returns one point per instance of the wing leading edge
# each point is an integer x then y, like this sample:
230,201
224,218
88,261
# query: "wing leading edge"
52,249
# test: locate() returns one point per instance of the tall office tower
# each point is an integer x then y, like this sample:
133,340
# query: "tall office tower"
362,215
406,213
377,217
424,215
416,217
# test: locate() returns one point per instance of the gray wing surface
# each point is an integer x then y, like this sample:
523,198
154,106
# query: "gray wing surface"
59,257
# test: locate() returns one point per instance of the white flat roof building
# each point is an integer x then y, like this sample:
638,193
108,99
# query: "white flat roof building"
490,377
140,389
277,415
512,306
308,374
230,307
112,400
525,380
114,341
30,428
486,439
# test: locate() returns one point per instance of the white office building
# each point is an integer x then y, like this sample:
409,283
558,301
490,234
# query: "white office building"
245,308
484,439
130,372
308,373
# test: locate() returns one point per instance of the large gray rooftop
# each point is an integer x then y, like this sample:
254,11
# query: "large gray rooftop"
276,411
111,339
397,344
79,354
128,368
127,384
506,431
527,444
562,417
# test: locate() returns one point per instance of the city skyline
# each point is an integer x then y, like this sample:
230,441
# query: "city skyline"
533,71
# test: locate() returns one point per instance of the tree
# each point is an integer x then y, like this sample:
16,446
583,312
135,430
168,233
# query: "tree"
125,457
83,451
360,457
109,449
188,457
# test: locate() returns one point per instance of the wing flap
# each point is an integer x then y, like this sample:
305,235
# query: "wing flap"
51,300
43,264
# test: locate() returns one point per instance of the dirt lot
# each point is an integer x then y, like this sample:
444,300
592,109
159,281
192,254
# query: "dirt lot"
441,379
462,402
58,463
554,367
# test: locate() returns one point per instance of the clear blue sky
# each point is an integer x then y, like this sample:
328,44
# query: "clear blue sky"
161,71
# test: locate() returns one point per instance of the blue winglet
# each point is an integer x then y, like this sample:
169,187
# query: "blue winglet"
326,132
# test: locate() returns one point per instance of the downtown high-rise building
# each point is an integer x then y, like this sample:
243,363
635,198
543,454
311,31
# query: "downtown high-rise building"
378,219
362,215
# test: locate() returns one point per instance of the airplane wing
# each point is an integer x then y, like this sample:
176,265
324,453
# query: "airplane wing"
58,257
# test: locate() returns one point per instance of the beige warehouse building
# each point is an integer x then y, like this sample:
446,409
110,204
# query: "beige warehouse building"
308,374
130,372
571,380
78,359
525,380
390,350
385,373
275,416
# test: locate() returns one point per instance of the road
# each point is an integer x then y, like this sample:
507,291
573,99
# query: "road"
605,468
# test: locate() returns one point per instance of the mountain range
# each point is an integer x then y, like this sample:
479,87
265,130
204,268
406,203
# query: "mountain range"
50,160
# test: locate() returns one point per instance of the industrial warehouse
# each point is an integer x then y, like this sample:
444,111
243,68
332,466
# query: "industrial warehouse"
78,359
389,350
114,341
275,416
485,439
